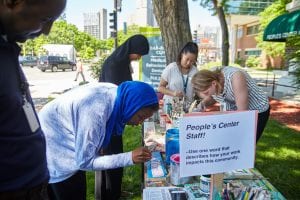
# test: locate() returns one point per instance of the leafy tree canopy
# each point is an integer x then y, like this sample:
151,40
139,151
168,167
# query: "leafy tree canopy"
271,48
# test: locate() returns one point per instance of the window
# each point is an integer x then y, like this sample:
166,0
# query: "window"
251,30
252,52
240,32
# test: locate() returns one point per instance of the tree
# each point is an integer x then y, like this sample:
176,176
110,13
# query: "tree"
64,33
173,19
272,49
294,57
217,7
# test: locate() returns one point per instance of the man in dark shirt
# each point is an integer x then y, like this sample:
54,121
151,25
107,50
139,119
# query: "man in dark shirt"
23,167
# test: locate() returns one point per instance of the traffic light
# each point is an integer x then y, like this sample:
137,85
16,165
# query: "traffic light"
195,36
113,20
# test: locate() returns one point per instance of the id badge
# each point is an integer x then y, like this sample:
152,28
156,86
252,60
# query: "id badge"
31,118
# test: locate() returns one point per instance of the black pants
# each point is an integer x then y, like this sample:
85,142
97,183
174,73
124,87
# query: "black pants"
108,182
261,123
36,193
72,188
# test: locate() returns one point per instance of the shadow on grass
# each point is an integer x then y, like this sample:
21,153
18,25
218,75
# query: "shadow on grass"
131,184
278,158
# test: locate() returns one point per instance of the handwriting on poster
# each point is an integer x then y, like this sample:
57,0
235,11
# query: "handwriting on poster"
211,155
202,128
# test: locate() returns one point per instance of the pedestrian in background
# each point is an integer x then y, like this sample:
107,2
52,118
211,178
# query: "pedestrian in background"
82,121
23,166
79,70
117,69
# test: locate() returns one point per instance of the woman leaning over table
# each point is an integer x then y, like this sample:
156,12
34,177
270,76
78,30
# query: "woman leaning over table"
236,89
81,122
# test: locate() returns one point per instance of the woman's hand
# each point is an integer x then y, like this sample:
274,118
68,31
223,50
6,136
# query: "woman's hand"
140,155
178,94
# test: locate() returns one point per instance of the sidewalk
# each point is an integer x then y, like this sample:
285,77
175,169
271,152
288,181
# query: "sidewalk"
288,98
262,76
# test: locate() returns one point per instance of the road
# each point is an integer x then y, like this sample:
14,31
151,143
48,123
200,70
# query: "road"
48,84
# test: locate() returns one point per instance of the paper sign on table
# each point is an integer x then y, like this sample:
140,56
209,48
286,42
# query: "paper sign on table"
215,143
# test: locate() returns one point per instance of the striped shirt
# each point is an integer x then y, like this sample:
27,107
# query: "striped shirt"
258,100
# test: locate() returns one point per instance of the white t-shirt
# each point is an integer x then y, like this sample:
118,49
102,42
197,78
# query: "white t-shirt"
176,80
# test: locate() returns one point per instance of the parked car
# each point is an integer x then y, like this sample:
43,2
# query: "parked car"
54,63
28,61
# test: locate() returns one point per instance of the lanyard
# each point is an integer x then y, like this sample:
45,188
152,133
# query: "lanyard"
184,82
23,84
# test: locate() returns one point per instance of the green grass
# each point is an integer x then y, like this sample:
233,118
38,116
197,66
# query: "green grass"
277,158
131,185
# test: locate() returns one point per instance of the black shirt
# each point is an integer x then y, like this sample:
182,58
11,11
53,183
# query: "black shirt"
22,152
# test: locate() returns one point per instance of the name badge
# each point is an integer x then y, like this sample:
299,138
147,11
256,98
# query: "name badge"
31,118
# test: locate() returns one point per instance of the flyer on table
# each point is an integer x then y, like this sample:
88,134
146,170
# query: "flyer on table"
216,143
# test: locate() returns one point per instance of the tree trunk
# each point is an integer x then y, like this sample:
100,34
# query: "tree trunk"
224,29
173,19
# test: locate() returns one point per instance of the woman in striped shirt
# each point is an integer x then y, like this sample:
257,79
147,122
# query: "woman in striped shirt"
234,89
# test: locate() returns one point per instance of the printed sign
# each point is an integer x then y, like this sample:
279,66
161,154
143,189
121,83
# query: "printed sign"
155,61
216,143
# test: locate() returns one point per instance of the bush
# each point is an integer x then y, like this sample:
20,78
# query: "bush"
95,67
212,65
240,61
253,61
297,74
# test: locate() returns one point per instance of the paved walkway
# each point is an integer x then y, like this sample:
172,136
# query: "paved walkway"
285,107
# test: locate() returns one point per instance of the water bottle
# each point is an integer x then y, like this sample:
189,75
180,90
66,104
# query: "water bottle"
172,143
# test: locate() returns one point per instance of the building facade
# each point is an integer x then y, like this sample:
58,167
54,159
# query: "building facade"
144,15
95,24
209,43
243,23
103,24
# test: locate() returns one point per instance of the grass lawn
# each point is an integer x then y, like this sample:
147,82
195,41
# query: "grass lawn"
277,158
131,186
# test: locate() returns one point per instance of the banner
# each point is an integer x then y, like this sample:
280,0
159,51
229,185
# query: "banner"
216,143
155,62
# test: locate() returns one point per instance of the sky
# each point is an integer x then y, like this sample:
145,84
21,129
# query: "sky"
76,8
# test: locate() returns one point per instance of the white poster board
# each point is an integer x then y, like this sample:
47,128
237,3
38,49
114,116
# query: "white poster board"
216,143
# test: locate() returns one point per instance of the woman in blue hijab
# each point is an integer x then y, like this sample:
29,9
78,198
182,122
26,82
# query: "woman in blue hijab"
80,122
117,69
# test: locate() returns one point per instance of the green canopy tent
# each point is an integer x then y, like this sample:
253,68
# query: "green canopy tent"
282,27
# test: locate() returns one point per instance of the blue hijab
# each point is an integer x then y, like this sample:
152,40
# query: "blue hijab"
131,97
